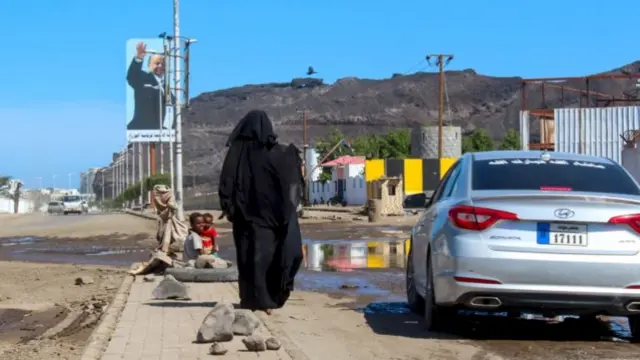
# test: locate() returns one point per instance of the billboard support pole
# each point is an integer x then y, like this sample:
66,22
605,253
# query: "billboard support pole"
140,174
168,100
152,158
176,72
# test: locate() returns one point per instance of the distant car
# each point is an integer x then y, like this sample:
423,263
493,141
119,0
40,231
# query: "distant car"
55,207
528,231
73,204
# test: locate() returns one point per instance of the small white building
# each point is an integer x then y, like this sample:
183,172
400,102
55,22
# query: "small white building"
347,182
7,206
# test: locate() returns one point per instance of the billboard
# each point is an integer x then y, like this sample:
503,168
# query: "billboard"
149,113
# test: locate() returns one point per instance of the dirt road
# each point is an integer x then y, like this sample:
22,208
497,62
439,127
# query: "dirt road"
350,300
44,313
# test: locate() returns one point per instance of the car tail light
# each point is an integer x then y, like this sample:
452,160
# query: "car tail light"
633,220
477,218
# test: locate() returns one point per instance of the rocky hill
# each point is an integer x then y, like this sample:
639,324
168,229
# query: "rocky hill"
358,106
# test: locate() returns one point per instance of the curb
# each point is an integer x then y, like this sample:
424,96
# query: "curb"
100,337
141,215
276,330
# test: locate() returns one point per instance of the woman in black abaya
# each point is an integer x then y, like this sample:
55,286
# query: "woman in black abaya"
260,189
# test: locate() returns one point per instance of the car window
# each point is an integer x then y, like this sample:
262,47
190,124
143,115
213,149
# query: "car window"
448,189
71,198
559,175
437,194
53,203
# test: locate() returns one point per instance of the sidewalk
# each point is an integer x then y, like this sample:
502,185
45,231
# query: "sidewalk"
166,330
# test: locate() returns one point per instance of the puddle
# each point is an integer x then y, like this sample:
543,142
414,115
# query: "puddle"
18,241
348,255
78,251
18,325
380,308
83,250
370,270
355,232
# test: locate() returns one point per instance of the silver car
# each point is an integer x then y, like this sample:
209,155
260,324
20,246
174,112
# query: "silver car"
515,231
73,204
55,207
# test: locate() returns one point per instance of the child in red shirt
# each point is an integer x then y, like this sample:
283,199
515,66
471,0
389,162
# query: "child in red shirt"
209,234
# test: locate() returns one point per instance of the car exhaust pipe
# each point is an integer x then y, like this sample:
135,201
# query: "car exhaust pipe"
490,302
633,306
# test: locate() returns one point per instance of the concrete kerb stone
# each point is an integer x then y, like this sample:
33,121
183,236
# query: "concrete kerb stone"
276,330
100,337
141,215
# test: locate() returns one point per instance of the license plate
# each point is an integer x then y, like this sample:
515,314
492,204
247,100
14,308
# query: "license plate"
562,234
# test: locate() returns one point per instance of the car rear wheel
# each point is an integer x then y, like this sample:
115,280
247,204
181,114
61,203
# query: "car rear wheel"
435,317
415,300
634,327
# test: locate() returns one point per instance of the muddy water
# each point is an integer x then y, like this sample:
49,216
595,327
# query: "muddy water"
112,251
17,325
369,276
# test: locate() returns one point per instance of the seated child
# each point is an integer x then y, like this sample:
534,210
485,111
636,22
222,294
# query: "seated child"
199,246
193,244
209,234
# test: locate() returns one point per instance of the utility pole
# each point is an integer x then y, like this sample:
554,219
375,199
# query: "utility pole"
305,147
176,72
113,183
126,167
441,62
133,163
102,195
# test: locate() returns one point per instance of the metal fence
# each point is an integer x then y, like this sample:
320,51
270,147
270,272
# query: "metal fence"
201,198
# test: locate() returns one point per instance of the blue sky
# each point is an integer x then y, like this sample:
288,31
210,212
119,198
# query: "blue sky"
62,103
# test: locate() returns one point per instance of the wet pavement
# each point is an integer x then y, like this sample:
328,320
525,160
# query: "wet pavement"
364,267
117,250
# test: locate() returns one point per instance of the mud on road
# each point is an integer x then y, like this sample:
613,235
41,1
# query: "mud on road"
43,313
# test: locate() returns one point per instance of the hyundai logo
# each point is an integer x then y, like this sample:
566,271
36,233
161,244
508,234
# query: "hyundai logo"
563,213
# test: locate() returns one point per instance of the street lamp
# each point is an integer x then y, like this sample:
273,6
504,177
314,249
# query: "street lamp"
54,181
69,175
39,178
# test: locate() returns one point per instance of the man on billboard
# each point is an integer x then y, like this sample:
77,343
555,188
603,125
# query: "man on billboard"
148,90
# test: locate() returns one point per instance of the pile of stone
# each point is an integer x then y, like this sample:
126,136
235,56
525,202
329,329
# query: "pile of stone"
224,322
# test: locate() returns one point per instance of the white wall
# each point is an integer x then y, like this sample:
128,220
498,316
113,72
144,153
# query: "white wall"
355,188
355,192
320,190
631,162
6,206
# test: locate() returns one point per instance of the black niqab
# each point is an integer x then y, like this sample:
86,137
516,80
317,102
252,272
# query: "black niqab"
255,126
259,193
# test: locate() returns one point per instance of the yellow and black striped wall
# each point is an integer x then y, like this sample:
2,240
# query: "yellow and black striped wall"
418,175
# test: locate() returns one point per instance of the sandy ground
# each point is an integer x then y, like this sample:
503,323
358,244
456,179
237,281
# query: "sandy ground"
43,313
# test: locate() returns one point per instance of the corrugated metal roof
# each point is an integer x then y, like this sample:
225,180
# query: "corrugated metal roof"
595,131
